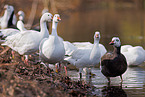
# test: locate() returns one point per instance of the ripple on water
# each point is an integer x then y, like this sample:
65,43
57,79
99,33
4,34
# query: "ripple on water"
133,81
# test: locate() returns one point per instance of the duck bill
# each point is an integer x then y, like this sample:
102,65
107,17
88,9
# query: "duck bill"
111,43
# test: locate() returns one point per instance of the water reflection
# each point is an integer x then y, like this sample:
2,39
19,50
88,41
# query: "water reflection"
113,91
133,81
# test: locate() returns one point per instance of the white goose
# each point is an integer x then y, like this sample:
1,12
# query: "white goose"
88,45
5,18
11,31
86,57
21,15
51,50
27,42
134,55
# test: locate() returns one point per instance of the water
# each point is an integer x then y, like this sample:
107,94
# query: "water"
125,22
133,83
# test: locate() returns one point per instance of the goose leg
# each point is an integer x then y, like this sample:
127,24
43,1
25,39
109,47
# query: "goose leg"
121,78
108,79
65,68
80,72
13,53
59,67
26,59
90,73
48,69
56,67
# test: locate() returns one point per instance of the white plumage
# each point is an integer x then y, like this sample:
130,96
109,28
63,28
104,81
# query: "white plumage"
28,41
51,49
134,55
5,18
86,57
88,45
11,31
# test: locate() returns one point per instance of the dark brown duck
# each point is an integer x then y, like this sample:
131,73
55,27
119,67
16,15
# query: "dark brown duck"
114,64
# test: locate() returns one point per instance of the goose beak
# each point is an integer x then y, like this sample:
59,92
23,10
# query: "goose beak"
5,7
51,19
97,35
58,18
111,43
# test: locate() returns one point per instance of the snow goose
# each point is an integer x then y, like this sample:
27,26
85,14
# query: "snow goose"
12,31
21,15
4,20
86,57
113,64
69,49
51,50
88,45
27,42
134,55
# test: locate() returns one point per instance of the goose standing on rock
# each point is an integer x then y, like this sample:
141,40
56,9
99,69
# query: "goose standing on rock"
114,64
27,42
51,49
82,58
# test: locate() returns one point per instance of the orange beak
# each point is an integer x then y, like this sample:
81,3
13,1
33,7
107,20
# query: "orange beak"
58,18
111,43
97,36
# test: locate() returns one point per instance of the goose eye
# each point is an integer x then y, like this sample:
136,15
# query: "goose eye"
117,40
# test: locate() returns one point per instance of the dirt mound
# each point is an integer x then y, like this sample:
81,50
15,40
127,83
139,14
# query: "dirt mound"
20,80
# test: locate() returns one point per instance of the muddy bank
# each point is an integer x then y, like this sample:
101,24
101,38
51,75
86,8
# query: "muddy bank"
18,79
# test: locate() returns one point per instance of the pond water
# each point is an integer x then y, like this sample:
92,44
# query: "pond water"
127,24
133,83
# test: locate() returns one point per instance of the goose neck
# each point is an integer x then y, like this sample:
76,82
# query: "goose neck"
44,31
54,28
6,14
96,41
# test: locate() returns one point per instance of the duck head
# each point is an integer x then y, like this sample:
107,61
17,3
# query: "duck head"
47,17
56,18
115,42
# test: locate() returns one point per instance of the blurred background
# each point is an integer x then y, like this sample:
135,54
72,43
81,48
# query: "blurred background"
81,18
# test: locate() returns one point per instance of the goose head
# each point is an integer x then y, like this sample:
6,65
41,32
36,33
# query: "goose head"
97,36
12,8
46,17
56,18
45,10
7,7
21,15
115,42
